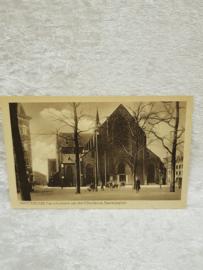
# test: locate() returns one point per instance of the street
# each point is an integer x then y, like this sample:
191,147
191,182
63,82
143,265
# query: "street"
150,192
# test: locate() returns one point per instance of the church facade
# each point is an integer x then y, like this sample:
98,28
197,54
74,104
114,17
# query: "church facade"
108,154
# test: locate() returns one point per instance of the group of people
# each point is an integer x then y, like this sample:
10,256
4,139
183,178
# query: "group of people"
113,185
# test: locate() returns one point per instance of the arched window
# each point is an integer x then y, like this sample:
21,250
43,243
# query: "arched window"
89,169
121,168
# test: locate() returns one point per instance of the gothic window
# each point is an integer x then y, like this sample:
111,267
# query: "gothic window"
89,174
89,169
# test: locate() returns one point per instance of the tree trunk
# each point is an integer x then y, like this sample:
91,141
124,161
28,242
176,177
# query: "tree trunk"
77,157
19,153
172,184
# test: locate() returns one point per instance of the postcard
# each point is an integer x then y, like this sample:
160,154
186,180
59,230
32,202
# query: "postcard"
97,152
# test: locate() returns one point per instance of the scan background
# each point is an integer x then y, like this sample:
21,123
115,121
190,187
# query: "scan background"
103,48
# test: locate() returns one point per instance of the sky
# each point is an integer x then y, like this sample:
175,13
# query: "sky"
43,124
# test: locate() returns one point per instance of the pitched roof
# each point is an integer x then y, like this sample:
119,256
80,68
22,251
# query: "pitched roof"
21,111
67,139
121,109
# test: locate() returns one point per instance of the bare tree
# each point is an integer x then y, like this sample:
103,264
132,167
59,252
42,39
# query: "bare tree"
66,120
144,118
19,153
171,117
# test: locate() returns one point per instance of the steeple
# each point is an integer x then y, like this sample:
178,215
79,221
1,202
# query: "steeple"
97,123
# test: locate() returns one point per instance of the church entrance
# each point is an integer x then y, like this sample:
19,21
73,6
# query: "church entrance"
150,175
122,178
89,174
121,172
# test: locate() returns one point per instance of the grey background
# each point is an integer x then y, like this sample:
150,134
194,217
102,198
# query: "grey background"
103,48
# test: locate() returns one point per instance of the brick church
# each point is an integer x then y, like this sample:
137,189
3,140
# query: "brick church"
106,154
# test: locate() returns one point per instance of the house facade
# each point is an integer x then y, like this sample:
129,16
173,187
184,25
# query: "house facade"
24,128
109,153
178,169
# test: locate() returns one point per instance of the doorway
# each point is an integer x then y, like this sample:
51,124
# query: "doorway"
89,174
121,168
122,178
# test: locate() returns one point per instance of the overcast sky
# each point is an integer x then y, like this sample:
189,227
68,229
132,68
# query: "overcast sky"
43,147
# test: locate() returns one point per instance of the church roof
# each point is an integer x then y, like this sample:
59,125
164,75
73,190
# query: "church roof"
122,110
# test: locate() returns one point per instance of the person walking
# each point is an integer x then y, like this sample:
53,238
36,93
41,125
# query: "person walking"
137,184
161,181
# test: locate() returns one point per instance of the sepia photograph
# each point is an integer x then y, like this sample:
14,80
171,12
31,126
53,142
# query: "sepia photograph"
116,152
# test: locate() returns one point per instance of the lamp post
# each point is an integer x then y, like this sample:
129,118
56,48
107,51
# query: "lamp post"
80,170
62,175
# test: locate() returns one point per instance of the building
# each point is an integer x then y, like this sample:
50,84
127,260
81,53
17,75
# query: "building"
61,171
108,154
24,128
51,167
179,169
40,179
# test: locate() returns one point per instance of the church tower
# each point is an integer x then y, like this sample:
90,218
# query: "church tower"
97,122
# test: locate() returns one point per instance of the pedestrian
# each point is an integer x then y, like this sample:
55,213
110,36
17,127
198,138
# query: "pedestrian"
112,185
137,184
92,186
161,181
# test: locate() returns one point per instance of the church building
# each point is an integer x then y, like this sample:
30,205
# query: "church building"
108,154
